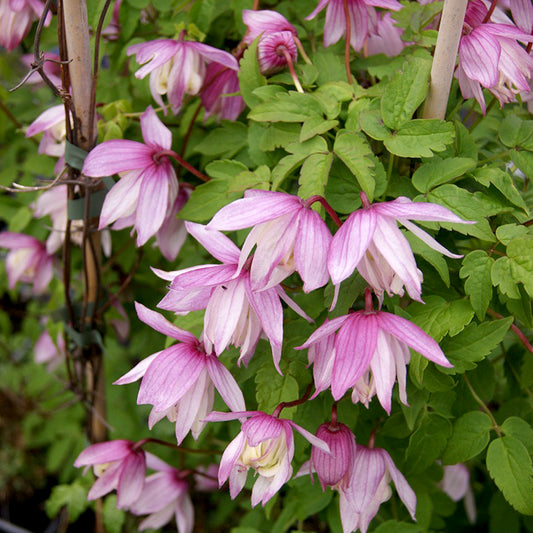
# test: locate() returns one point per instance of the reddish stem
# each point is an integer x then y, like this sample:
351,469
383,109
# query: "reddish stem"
490,11
364,199
317,198
294,403
369,306
183,163
334,422
347,39
290,64
516,330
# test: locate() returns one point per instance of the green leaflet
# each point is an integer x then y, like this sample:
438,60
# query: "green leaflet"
521,430
474,343
471,433
74,496
405,92
420,138
286,107
436,172
314,175
510,467
427,442
249,76
113,517
515,132
478,285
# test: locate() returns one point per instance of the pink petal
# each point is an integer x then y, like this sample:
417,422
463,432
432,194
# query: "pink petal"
350,243
161,324
204,276
158,52
107,482
230,455
314,440
262,427
104,452
14,241
479,53
328,328
131,480
403,488
428,239
248,212
413,336
117,155
405,208
383,366
355,346
155,133
225,384
214,54
217,244
137,372
335,24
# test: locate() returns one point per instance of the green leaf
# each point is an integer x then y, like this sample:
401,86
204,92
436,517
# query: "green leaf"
316,125
471,434
503,182
524,161
478,285
467,205
510,467
286,107
114,518
249,76
314,175
278,135
427,442
503,278
21,219
258,179
520,253
521,430
372,124
516,132
393,526
508,232
225,141
438,317
420,138
73,496
436,172
434,258
272,389
405,92
355,152
474,343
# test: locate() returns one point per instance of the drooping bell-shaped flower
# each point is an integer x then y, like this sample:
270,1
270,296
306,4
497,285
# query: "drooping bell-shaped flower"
148,186
27,261
491,57
266,445
235,312
456,484
218,92
16,18
179,381
361,13
371,241
176,67
371,341
118,464
373,470
165,494
287,235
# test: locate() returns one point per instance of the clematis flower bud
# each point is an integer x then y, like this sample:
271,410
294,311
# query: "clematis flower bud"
334,469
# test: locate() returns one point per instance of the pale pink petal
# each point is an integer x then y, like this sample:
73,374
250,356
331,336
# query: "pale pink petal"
262,427
203,276
403,208
248,212
403,488
117,155
156,52
328,328
355,346
428,239
225,384
104,452
137,371
292,304
214,54
314,440
162,325
131,480
413,336
216,243
383,366
185,515
107,482
321,5
350,243
479,54
155,133
335,24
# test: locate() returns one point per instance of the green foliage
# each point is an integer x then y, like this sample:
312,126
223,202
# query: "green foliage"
73,497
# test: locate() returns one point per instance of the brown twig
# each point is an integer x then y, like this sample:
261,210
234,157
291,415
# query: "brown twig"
347,39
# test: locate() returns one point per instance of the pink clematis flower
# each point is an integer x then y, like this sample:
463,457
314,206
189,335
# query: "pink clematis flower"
362,14
176,67
490,57
49,353
384,37
219,83
165,494
27,261
370,341
148,185
288,234
266,444
371,241
235,313
118,464
179,381
16,18
372,472
456,484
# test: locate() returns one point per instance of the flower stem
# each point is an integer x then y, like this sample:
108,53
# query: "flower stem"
450,30
317,198
301,49
483,406
347,39
187,166
516,330
290,64
490,11
294,403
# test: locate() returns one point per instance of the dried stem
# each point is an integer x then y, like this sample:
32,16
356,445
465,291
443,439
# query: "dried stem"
451,27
